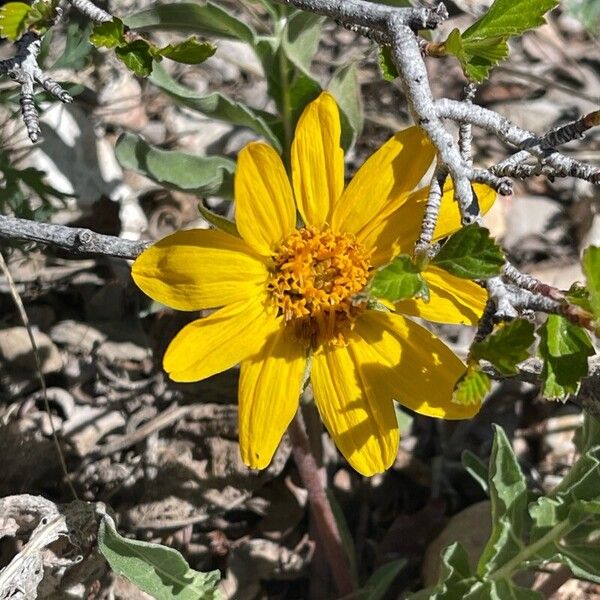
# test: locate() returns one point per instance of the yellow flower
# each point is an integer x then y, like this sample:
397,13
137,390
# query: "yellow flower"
288,291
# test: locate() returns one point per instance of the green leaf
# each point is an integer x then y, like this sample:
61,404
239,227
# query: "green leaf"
218,221
379,583
454,565
109,34
579,295
345,87
190,52
471,254
589,434
203,175
508,494
77,48
472,387
157,570
507,18
137,56
345,534
567,519
387,65
564,348
301,38
205,18
216,105
399,280
13,17
41,16
507,346
591,268
484,44
476,468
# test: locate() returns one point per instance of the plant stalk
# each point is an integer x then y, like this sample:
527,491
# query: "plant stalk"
320,507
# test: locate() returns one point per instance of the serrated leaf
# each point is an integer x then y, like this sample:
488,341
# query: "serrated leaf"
157,570
13,17
454,564
591,268
506,18
387,66
471,253
579,295
564,348
109,34
138,56
476,468
507,346
205,18
203,175
216,105
189,52
399,280
41,16
472,387
509,498
568,519
484,44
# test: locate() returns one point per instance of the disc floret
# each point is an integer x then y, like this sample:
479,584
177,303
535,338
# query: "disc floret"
314,277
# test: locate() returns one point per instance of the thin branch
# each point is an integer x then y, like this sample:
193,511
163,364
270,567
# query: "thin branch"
521,138
74,239
361,13
91,11
588,395
413,75
432,210
24,69
320,507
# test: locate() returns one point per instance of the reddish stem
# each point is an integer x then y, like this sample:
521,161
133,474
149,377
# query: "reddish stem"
320,507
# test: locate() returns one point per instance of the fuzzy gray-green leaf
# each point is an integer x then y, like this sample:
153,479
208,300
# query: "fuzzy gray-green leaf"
155,569
203,175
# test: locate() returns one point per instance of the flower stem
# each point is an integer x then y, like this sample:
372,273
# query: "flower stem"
320,507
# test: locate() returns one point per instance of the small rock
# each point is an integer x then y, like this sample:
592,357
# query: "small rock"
531,216
16,351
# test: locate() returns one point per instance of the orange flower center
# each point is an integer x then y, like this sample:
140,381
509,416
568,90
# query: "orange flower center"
315,279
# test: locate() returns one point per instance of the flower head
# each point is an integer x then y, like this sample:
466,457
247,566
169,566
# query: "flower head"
287,291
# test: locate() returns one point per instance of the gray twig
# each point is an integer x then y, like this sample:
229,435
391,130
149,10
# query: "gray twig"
432,210
413,75
91,11
24,69
563,166
74,239
361,13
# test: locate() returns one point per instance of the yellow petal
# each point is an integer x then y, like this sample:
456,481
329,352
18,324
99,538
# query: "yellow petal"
264,205
269,391
200,268
383,183
451,299
318,160
362,424
398,233
215,343
419,370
